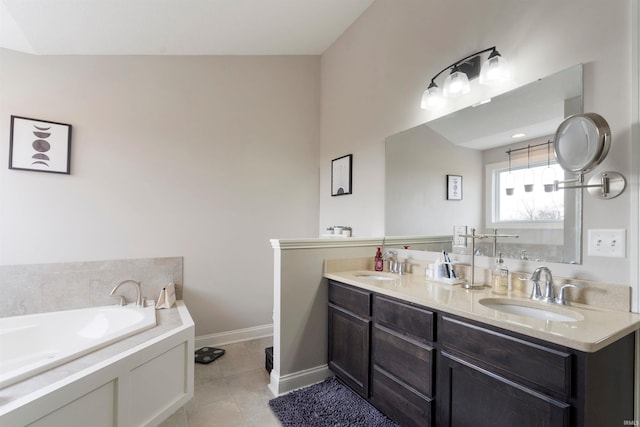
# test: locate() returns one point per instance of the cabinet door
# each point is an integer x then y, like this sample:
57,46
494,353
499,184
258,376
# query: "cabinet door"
471,396
349,348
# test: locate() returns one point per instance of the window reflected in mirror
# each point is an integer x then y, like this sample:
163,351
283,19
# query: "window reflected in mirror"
526,208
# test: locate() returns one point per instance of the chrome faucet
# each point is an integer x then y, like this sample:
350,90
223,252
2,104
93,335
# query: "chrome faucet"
123,301
536,294
394,265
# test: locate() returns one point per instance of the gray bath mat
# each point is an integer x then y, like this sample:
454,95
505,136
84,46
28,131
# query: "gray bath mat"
327,404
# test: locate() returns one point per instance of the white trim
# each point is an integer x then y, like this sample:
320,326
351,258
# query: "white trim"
231,337
280,385
313,243
634,187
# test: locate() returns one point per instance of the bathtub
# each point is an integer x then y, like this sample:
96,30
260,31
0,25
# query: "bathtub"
32,344
137,381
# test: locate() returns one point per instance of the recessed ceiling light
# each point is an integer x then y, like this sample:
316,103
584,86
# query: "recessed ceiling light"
518,135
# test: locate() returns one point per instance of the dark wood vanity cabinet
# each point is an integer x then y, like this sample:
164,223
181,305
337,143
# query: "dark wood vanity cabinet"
422,368
486,373
349,335
403,361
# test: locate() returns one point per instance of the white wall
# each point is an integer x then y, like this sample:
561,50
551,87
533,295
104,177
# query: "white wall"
374,75
201,157
417,163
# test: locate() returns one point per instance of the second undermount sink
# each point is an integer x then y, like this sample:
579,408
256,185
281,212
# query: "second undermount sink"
531,309
373,276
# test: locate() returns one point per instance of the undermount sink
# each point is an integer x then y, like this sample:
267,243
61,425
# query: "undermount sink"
372,276
531,309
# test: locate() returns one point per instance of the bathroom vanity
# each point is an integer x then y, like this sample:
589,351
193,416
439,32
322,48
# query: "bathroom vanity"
428,354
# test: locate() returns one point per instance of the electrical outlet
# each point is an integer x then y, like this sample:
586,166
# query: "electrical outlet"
458,240
607,243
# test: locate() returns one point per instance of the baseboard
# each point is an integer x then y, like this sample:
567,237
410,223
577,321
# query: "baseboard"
280,385
231,337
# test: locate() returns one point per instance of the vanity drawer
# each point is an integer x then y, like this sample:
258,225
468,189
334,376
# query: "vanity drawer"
399,403
408,360
537,366
355,300
407,319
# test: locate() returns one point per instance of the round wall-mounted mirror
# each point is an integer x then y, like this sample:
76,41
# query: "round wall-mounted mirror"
582,141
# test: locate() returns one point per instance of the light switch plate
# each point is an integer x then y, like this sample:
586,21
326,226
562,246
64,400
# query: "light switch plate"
610,242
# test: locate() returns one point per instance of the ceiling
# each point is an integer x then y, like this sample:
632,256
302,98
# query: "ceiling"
175,27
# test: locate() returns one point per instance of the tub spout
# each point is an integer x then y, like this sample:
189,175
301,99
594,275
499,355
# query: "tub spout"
138,292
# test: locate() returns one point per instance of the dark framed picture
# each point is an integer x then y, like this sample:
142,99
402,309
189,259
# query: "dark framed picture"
39,145
341,175
454,187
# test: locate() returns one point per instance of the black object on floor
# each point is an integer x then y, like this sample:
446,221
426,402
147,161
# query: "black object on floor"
208,354
327,404
268,359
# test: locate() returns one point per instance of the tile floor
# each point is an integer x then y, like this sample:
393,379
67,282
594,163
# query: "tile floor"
230,392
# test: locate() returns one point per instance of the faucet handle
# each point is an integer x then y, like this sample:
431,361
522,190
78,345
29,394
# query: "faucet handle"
123,300
562,300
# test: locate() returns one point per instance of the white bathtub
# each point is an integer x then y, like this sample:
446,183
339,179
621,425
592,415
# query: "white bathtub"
32,344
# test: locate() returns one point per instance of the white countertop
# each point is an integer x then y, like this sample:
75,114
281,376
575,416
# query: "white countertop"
596,329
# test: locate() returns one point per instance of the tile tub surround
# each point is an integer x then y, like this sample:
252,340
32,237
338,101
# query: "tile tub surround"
37,288
599,327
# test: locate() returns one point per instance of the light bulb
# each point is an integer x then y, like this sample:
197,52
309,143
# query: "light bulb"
495,70
432,98
456,84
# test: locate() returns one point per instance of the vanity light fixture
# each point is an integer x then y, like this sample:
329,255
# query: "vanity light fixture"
494,70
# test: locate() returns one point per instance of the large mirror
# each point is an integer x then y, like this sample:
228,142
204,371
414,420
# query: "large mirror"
487,149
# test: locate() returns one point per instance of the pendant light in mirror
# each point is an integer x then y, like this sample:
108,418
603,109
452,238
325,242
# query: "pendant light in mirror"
529,177
510,181
549,175
495,70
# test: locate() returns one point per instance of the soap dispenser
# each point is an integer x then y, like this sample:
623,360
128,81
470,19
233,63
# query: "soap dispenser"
500,277
379,261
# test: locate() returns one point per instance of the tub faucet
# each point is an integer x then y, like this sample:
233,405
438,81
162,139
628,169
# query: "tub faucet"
536,293
123,301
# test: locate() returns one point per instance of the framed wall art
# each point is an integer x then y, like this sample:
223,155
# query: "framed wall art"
454,187
39,145
341,175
